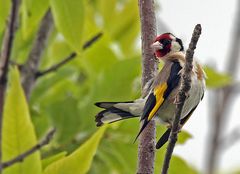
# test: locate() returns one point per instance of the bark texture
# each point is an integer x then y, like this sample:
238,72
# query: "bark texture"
146,147
181,97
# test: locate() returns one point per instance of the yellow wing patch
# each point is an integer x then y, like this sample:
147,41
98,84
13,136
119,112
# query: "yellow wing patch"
158,93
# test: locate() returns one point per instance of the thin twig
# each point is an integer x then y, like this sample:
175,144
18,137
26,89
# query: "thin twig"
92,40
182,94
68,58
30,68
4,60
35,148
146,147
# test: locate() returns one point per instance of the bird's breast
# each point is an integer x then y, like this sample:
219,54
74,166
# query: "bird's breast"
166,112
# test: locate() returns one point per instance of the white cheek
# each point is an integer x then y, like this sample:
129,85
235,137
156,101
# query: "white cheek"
175,46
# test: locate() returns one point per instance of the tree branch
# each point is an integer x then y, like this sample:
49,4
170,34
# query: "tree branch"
236,88
146,147
30,68
234,54
181,96
35,148
5,58
230,139
224,102
68,58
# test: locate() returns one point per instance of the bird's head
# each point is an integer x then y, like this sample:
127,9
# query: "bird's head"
165,44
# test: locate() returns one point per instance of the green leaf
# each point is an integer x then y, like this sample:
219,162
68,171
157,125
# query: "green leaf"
120,19
18,130
117,80
129,28
69,20
95,64
51,94
4,11
119,139
113,84
183,137
32,13
79,161
178,164
51,159
216,79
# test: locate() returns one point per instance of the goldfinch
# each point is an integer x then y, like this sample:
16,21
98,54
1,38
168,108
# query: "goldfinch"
159,103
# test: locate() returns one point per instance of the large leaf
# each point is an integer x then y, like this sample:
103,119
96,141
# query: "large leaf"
79,161
69,20
51,159
18,130
32,13
216,79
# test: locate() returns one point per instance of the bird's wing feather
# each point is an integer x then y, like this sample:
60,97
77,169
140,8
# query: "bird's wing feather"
154,101
167,80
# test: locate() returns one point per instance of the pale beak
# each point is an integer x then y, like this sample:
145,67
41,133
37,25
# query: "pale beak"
157,46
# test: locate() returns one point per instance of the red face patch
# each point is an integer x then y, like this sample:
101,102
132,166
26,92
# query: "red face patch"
163,36
165,39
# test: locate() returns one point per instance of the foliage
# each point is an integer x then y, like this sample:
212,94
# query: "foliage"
18,130
80,160
53,158
108,70
216,79
69,19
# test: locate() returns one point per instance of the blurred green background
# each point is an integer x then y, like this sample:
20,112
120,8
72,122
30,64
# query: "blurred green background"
110,70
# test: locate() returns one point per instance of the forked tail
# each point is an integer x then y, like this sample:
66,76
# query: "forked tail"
116,111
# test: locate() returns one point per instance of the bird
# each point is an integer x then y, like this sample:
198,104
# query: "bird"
159,103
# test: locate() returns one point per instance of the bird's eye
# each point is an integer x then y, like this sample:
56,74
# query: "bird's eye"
165,41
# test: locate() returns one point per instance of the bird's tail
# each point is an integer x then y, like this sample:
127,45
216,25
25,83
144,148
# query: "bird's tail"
116,111
163,139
